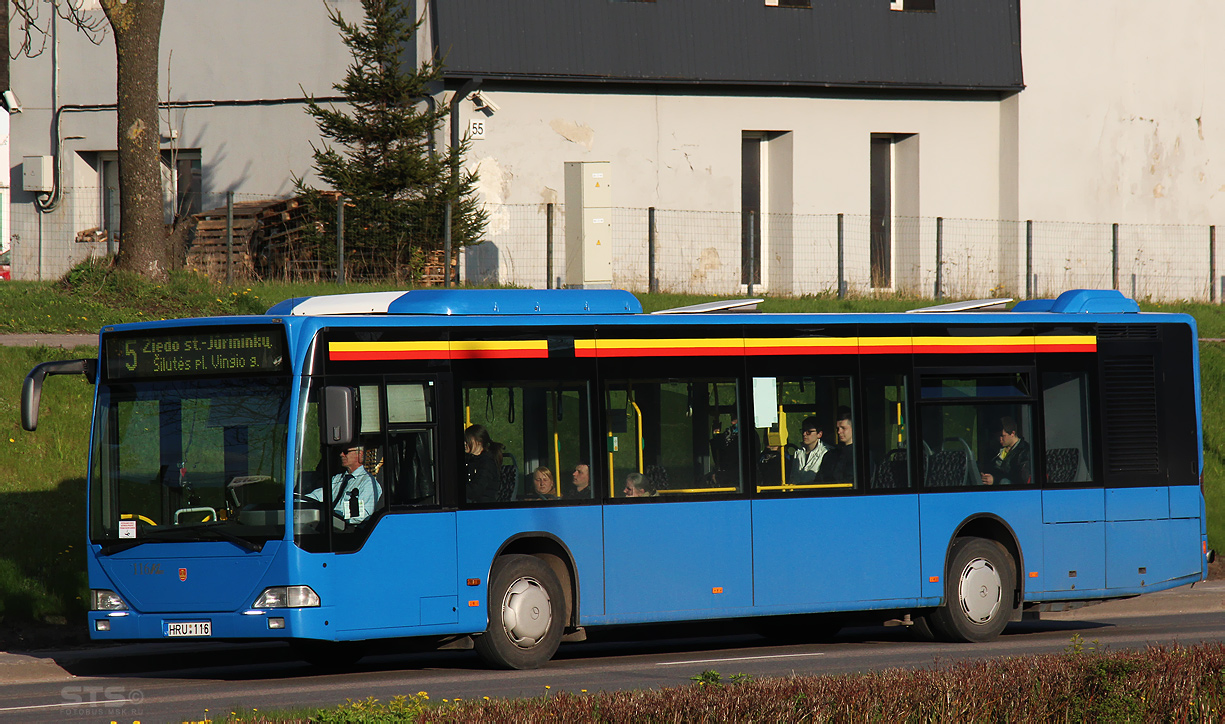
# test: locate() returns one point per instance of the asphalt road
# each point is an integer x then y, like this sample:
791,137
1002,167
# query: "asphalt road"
155,683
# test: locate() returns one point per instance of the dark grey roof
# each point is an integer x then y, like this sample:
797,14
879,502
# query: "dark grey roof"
964,44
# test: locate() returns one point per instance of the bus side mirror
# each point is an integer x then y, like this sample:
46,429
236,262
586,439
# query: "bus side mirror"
338,415
32,388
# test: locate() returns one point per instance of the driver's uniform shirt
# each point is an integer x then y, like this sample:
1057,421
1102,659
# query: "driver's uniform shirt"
343,487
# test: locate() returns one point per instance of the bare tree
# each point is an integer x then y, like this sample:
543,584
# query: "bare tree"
136,26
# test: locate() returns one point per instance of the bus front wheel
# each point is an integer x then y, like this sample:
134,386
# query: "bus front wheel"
526,614
978,592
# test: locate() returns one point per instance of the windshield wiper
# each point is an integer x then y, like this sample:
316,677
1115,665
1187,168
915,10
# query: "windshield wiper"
180,533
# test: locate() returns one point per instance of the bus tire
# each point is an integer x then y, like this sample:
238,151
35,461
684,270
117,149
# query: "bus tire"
527,611
978,592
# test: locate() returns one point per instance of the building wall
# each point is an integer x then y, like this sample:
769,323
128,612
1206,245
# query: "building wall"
222,50
1123,114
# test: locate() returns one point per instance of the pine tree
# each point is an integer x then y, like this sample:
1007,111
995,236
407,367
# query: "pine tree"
380,157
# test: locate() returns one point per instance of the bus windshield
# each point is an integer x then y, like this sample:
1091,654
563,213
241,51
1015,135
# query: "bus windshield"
189,460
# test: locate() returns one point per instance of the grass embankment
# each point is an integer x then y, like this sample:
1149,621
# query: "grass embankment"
42,498
1180,684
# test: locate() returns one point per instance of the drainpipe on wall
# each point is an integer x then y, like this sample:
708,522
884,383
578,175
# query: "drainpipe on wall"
465,89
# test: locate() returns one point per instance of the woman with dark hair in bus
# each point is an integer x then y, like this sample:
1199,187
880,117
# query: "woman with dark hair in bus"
483,464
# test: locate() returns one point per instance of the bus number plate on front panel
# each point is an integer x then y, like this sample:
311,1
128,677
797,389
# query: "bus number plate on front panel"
187,628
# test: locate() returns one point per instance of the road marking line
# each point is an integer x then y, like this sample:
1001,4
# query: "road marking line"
116,704
738,658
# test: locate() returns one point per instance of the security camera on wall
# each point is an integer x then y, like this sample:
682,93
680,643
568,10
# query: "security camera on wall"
11,102
484,103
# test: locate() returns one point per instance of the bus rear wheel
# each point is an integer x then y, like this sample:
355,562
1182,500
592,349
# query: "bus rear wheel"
978,592
526,614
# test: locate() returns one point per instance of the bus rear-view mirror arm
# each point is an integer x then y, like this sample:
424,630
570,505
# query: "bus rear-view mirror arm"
32,388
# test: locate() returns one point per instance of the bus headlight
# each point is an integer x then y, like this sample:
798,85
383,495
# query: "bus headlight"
106,600
287,597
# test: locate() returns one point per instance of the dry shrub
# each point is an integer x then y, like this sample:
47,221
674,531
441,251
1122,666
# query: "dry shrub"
1166,683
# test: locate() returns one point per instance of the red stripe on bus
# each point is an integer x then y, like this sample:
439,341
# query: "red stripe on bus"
392,354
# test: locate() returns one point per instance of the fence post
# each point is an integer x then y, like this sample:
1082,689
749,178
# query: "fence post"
1212,263
1029,259
652,278
548,246
841,261
1114,255
752,256
340,239
229,238
939,257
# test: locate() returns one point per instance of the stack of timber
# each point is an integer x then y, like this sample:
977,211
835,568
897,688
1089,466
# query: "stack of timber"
285,249
207,253
431,274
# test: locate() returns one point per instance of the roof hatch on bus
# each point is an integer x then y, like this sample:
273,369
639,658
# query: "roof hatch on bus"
467,302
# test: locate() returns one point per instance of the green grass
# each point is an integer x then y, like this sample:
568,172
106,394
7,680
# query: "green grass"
42,493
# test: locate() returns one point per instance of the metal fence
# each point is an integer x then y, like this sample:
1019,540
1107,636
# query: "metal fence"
705,252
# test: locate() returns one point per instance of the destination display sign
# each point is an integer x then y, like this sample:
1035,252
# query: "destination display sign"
198,352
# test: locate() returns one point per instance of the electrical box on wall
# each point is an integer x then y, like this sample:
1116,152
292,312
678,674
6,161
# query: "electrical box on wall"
588,225
37,173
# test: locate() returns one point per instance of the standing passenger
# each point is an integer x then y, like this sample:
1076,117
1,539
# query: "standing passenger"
483,463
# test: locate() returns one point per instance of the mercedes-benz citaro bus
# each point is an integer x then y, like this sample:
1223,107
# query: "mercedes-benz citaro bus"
501,469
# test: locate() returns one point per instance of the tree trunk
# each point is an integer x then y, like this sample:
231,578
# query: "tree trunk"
144,244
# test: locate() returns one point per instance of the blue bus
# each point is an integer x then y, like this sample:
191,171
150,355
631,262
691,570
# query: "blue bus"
501,469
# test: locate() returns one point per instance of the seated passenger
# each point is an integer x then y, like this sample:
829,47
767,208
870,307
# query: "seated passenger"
636,487
543,487
840,465
354,491
1010,466
812,452
580,483
482,464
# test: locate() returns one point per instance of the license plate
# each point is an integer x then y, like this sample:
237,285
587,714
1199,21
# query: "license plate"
187,628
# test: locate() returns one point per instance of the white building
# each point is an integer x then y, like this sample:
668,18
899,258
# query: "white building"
892,114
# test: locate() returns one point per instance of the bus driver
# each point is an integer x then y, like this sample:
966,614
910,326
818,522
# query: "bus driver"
354,491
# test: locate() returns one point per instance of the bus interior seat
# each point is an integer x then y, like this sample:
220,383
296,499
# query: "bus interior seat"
891,472
947,468
409,453
509,478
1062,463
973,477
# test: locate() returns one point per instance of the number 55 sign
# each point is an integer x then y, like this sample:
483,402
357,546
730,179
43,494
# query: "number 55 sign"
476,128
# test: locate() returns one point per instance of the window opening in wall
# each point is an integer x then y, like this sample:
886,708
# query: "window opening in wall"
881,211
751,175
182,172
109,172
918,6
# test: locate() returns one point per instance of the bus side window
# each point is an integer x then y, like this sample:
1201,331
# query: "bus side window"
540,430
805,430
671,437
977,430
1065,400
886,432
409,472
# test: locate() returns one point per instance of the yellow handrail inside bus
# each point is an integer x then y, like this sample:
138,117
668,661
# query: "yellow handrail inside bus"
612,484
700,490
641,444
762,488
782,445
130,516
